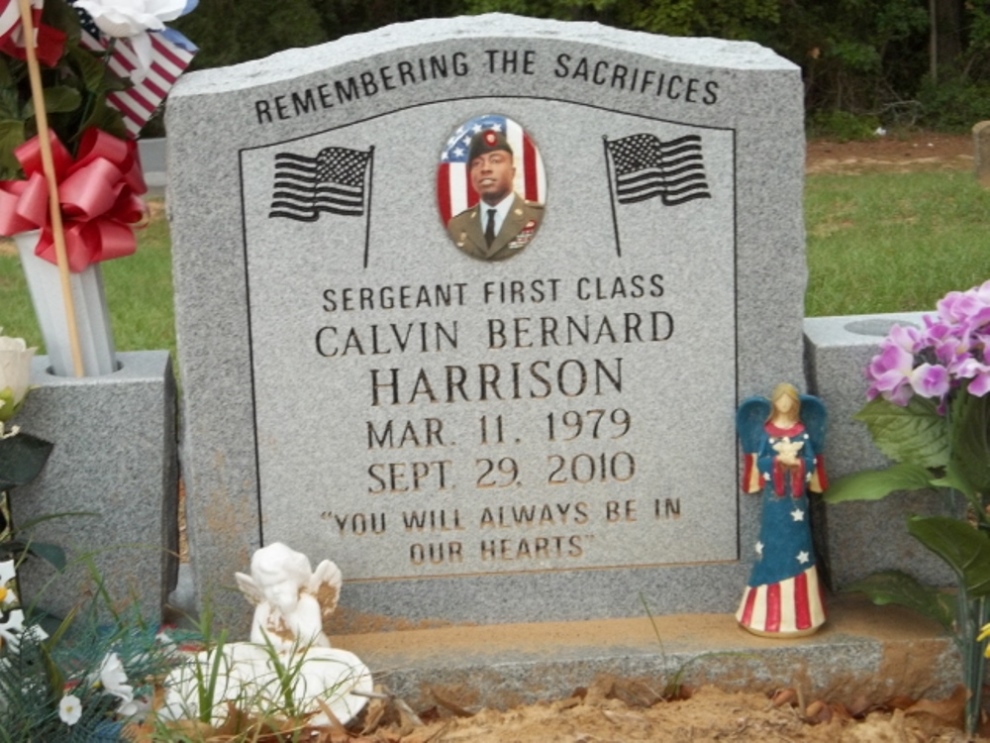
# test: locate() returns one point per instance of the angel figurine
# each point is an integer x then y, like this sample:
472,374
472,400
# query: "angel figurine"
293,601
782,440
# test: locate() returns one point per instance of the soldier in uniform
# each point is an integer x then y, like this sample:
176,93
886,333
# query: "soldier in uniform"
502,224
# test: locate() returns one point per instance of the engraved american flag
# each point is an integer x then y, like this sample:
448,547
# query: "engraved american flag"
646,167
333,181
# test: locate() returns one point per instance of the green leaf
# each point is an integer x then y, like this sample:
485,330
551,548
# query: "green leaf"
62,99
50,553
17,549
63,17
895,587
50,516
915,433
971,440
6,76
105,117
11,135
964,548
10,105
955,479
876,484
90,68
21,459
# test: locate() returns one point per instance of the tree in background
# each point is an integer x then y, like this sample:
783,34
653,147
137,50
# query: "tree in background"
866,61
345,17
856,55
232,31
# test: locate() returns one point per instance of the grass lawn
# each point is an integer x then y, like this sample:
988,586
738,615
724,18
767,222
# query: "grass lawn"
890,242
139,293
882,242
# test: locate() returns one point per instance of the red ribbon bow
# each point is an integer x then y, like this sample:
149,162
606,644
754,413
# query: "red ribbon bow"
98,193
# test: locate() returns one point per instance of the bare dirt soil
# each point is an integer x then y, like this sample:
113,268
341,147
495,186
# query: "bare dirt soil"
614,711
892,153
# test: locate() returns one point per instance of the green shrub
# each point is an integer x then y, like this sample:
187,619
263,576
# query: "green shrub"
954,104
842,126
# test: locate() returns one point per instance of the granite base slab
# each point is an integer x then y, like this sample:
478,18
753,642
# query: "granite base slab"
863,650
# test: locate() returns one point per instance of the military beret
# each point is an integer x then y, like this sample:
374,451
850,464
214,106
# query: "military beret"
487,141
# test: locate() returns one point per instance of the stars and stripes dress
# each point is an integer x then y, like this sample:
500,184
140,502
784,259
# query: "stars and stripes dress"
783,596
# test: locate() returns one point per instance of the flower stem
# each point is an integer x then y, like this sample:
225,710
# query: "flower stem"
972,614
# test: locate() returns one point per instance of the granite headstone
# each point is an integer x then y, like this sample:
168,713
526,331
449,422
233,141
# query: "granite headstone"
525,419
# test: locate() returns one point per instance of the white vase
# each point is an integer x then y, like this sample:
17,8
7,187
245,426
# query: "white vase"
92,316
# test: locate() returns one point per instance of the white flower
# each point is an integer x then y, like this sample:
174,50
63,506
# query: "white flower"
8,597
134,710
114,679
15,371
70,709
132,19
9,630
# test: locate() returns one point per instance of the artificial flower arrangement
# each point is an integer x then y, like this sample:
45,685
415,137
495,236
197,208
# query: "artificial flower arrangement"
71,108
929,412
22,457
86,680
100,61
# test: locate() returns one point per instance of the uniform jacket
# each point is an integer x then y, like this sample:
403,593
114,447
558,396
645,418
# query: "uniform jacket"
467,229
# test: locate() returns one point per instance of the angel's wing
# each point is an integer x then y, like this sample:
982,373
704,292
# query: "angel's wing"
815,417
248,587
325,585
750,418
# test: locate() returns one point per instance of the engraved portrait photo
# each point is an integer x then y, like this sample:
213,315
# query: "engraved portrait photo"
491,188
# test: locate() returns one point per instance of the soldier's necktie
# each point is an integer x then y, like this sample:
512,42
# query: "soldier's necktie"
490,228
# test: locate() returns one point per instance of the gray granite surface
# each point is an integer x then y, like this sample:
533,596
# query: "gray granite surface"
115,466
296,359
862,653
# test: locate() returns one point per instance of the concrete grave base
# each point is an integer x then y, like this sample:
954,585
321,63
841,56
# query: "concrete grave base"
862,651
115,459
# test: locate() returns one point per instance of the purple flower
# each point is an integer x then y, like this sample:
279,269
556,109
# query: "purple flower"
969,308
950,352
909,338
979,375
889,373
930,380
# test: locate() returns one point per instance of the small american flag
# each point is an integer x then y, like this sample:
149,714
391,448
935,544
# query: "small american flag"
333,181
10,20
646,168
171,54
454,190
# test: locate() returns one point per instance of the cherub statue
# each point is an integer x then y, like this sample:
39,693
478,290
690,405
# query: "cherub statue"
293,601
329,686
782,440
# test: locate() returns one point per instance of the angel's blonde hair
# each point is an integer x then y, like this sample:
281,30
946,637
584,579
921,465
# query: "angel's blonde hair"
785,390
